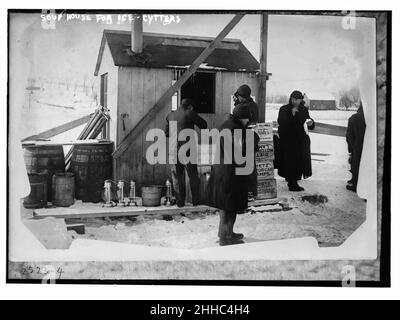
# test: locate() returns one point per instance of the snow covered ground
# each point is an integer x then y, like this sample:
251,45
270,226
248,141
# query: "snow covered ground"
331,223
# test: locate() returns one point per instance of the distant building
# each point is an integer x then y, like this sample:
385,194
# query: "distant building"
320,101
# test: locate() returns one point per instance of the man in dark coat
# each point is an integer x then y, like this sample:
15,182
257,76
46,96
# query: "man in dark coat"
185,118
355,140
243,97
294,142
226,189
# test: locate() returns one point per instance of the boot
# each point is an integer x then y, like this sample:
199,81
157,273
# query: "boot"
229,241
237,236
351,187
293,186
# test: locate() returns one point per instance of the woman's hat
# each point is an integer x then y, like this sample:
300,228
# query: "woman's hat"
296,95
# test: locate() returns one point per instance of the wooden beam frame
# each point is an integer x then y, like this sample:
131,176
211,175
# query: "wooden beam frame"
263,76
141,125
59,129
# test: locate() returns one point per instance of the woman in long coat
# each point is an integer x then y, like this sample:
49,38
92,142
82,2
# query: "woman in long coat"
294,142
227,190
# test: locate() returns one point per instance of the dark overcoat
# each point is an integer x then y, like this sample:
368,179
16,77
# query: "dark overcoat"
355,139
294,144
226,190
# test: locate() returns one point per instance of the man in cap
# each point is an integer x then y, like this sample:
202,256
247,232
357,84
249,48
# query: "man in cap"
294,152
242,97
226,189
355,141
186,118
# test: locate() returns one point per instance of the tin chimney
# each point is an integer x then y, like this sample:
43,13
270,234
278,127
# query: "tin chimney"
137,34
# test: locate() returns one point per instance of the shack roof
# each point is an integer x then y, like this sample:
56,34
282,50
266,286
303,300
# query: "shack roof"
176,51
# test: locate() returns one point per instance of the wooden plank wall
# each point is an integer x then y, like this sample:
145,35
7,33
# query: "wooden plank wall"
138,90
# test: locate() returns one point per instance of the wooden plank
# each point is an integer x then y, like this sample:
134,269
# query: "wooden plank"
329,129
60,129
163,81
325,128
168,94
100,55
126,104
64,143
219,102
149,99
263,67
100,212
263,202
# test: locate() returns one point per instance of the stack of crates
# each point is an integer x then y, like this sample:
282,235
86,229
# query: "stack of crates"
266,183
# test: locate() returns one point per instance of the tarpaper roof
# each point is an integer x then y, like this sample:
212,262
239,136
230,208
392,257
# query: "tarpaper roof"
176,51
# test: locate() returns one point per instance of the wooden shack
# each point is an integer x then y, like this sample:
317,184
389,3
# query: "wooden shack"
321,101
131,83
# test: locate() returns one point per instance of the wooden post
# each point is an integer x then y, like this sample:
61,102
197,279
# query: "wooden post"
137,34
263,77
141,125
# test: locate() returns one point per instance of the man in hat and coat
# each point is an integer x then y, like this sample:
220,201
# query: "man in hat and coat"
243,97
186,118
294,143
226,189
355,141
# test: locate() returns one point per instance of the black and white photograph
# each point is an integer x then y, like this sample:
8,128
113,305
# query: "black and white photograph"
207,147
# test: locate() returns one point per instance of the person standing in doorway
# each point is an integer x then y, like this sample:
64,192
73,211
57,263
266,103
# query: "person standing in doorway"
186,118
294,143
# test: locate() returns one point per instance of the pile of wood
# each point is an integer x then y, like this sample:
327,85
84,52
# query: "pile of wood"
266,183
92,129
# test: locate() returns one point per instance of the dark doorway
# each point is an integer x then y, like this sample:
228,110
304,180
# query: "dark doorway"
201,88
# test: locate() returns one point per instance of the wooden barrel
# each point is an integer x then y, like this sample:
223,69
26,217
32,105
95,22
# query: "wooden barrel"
46,160
38,195
91,164
63,189
151,196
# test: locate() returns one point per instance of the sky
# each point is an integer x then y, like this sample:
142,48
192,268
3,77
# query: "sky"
313,54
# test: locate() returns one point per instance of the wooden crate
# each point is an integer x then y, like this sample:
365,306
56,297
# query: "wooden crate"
266,151
264,131
266,189
265,169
